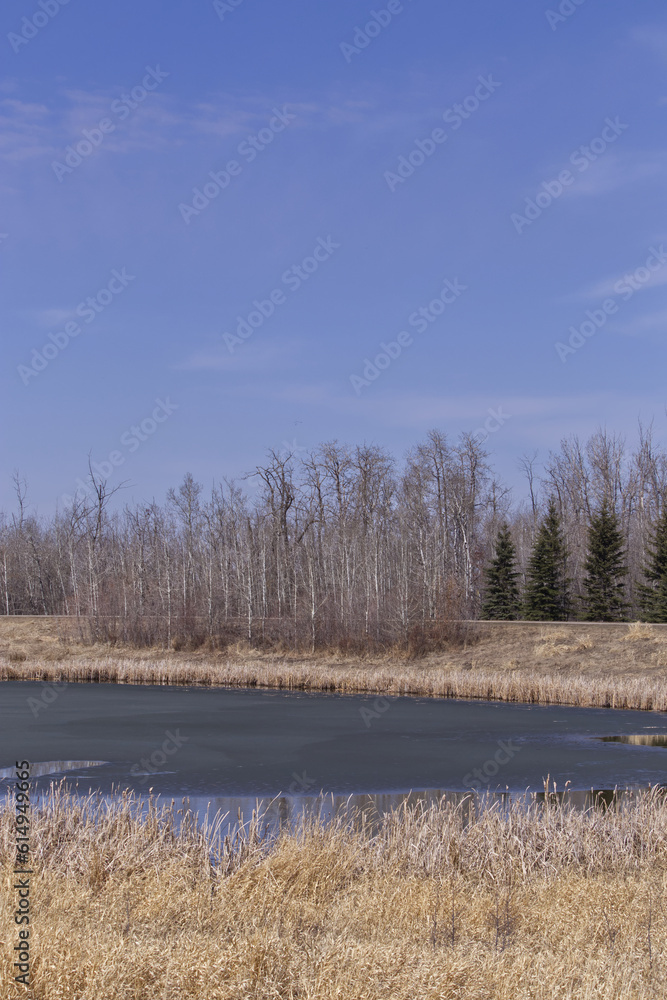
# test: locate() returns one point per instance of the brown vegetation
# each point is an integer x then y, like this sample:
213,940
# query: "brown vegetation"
617,665
429,903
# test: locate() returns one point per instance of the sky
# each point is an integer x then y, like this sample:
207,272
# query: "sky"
234,226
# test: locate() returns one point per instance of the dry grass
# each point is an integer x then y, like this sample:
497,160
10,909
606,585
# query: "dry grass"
639,631
536,903
618,666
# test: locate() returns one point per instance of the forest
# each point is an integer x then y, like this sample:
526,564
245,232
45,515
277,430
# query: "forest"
348,547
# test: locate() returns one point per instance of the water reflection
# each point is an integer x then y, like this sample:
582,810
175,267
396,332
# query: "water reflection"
230,816
366,811
645,740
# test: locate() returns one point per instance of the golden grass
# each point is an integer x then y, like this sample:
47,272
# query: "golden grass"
639,631
536,903
595,665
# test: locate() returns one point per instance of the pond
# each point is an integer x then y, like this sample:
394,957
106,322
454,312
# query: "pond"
229,747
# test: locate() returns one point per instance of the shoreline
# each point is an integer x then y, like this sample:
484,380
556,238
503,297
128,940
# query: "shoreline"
632,694
583,665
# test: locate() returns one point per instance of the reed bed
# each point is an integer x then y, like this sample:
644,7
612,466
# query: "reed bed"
646,691
137,902
613,665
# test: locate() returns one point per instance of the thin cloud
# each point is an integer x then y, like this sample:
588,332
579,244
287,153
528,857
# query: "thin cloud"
654,38
607,287
415,409
250,357
164,121
648,323
616,170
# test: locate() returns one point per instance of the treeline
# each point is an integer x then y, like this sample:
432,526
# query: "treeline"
348,548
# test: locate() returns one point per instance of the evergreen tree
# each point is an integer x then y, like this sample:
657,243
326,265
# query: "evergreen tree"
501,600
547,596
605,569
653,598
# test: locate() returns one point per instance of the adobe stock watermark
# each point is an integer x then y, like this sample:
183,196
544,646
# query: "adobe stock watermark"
301,785
120,109
31,26
566,9
49,694
480,776
292,279
495,420
130,441
380,706
423,149
3,237
625,288
376,24
249,149
581,158
88,310
148,766
419,320
290,448
224,7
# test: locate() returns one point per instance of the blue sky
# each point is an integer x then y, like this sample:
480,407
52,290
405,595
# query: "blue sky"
350,188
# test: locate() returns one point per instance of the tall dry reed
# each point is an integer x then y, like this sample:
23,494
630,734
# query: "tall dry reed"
435,901
642,690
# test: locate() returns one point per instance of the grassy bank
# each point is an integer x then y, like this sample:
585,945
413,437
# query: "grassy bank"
622,666
540,903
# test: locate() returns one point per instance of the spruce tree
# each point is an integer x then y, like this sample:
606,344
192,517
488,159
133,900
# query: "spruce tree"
547,596
653,598
604,584
501,601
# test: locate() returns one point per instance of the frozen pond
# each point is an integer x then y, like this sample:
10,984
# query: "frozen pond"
230,746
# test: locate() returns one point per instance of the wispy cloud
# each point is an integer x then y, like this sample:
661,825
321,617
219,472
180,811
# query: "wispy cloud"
607,286
254,357
409,409
166,121
648,323
616,170
653,37
47,319
24,130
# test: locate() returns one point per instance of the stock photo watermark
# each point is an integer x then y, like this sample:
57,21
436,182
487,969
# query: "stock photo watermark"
148,766
378,20
293,278
581,158
419,320
481,776
624,288
121,109
290,448
301,784
31,26
49,694
88,310
249,149
223,7
380,706
495,420
130,440
566,9
22,871
455,116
